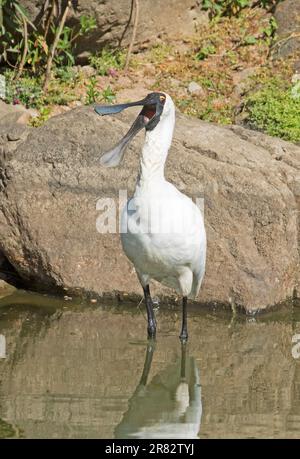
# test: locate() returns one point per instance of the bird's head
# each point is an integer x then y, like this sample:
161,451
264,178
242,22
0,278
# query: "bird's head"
156,107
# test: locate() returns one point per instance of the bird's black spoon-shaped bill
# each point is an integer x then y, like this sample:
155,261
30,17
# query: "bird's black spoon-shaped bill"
113,109
113,157
108,109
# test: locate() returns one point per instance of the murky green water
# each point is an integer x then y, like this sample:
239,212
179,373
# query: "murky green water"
85,371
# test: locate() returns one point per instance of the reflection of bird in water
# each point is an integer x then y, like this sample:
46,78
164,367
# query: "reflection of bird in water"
169,406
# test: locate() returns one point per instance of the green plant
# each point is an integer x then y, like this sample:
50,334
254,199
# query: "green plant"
23,44
106,60
275,110
231,7
92,93
64,53
26,90
66,74
87,24
249,40
36,52
108,95
208,110
67,40
58,94
295,91
268,32
224,7
204,52
159,52
43,116
14,23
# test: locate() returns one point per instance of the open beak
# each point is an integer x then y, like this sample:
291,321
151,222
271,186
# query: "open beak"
148,118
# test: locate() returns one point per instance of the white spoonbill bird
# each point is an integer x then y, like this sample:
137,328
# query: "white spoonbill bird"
163,232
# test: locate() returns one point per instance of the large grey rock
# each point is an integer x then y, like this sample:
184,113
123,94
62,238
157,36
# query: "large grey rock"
15,113
287,15
157,18
50,184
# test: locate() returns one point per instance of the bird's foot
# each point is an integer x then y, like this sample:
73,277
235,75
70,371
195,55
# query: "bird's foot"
151,330
183,337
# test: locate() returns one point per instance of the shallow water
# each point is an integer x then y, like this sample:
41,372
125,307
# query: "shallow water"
74,370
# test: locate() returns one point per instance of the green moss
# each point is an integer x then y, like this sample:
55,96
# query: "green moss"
205,51
275,109
42,118
107,59
160,52
6,430
26,90
232,7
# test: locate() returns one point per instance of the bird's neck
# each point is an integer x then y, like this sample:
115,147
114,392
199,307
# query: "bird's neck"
155,151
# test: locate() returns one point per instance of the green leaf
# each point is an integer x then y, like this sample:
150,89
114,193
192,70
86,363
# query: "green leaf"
23,14
250,40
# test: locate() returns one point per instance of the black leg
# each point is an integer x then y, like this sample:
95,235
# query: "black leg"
147,364
183,361
150,313
140,389
184,333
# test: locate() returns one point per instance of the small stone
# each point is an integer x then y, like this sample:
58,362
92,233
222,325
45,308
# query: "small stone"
174,82
296,77
75,103
93,300
88,70
195,89
241,81
297,66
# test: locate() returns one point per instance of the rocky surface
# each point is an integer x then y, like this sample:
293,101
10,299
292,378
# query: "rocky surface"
195,89
50,185
157,19
287,15
5,289
15,113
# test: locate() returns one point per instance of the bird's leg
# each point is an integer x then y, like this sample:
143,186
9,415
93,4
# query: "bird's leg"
140,390
184,333
147,364
183,361
150,313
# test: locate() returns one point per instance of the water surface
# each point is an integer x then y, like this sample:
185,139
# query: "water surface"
72,370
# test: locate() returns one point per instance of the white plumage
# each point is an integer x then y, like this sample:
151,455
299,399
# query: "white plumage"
165,237
169,407
162,230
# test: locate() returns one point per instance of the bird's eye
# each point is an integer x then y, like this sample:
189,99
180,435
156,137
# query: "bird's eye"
162,98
